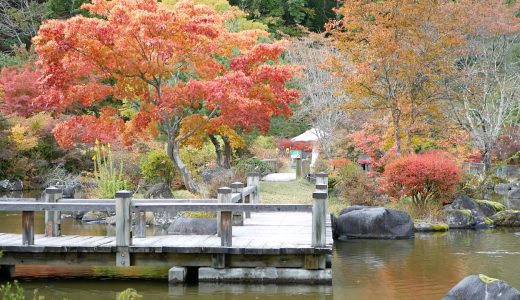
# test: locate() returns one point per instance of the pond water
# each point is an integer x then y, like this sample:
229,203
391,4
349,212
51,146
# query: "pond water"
425,267
422,268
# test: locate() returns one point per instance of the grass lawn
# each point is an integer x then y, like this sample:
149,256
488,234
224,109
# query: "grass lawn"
294,192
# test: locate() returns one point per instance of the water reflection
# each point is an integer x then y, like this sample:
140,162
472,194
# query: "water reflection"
425,267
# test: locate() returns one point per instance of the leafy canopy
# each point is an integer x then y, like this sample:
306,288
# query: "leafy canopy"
140,69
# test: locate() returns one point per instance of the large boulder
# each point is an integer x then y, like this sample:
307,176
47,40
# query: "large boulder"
508,218
502,188
373,223
11,185
460,218
489,208
465,212
514,193
208,175
200,226
477,287
159,191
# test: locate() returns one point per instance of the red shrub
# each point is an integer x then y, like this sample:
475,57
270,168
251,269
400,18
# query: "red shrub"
425,177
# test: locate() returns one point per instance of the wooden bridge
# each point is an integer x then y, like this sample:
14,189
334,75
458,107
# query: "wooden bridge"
255,242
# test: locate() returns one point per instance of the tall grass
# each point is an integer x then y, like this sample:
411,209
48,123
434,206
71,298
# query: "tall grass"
109,178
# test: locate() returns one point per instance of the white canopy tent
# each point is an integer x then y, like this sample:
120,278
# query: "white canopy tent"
311,135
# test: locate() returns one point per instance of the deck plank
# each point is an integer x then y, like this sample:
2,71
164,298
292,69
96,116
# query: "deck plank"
264,233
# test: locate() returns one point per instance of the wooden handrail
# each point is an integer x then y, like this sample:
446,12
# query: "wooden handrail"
238,199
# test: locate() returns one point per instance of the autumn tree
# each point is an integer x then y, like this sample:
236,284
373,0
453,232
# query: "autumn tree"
20,90
396,57
139,69
487,91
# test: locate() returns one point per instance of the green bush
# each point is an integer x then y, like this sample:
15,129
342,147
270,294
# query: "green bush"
157,167
197,159
253,165
13,291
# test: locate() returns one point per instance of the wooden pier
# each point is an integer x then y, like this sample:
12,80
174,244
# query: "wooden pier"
255,242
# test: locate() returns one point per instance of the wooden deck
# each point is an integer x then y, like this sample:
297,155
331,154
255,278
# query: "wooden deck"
264,233
266,242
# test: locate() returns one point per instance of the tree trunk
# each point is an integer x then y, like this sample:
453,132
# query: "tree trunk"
486,157
173,153
397,130
228,152
218,149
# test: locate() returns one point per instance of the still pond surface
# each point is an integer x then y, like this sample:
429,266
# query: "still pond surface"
422,268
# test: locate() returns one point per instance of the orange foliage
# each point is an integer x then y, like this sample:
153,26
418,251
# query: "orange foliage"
179,69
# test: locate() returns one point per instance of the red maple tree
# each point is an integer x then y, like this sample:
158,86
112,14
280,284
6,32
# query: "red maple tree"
166,71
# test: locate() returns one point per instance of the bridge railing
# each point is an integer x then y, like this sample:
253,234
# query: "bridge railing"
231,205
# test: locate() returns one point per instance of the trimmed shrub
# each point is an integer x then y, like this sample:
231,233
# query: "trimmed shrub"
157,167
431,176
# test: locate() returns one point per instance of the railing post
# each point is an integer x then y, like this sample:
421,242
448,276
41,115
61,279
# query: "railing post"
140,224
238,217
224,218
298,167
319,238
123,228
27,228
253,179
53,218
319,214
322,178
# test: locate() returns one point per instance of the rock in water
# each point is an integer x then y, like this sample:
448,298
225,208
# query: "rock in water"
94,217
477,287
465,212
508,218
199,226
460,218
374,223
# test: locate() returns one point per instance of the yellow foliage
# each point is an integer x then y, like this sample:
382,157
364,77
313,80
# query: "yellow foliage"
235,140
195,123
23,137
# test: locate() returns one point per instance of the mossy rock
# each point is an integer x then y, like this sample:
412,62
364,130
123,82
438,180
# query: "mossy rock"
420,226
490,208
460,218
507,218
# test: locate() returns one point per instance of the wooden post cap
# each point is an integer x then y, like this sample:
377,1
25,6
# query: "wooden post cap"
321,187
319,195
253,174
322,174
123,194
224,190
53,190
237,185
